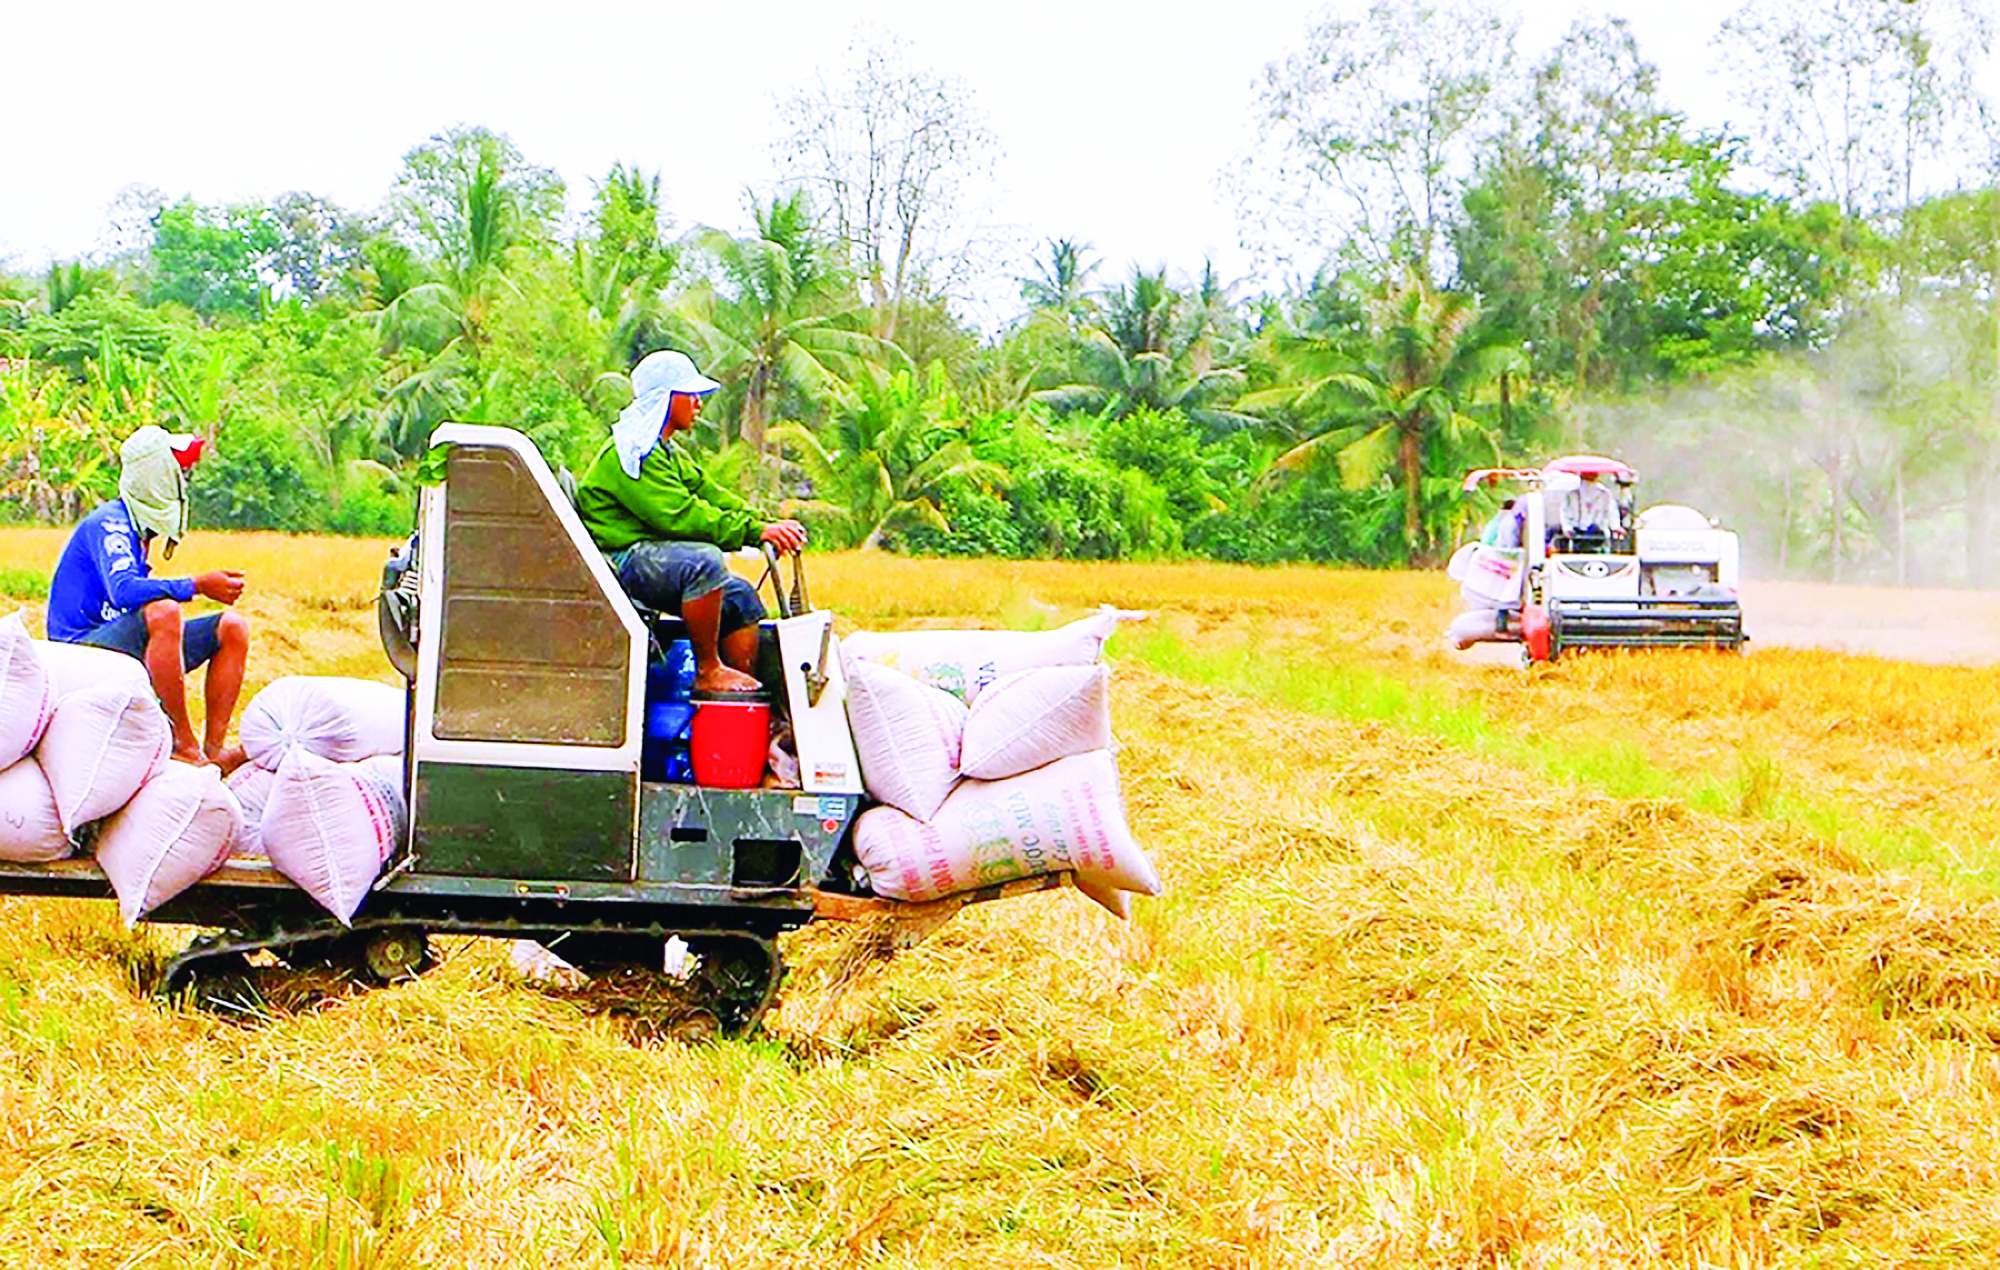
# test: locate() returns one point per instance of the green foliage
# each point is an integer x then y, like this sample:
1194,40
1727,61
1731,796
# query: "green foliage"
1597,251
59,442
1166,446
90,327
18,582
1060,502
371,501
884,463
212,259
257,476
1315,518
775,319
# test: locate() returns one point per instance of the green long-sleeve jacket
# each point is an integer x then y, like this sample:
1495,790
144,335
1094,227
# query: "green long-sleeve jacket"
672,499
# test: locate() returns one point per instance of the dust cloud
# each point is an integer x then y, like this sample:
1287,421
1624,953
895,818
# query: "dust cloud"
1906,623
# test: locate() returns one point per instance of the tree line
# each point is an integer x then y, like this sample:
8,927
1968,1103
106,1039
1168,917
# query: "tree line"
1484,259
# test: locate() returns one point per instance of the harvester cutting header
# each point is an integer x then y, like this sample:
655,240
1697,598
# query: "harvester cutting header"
1567,563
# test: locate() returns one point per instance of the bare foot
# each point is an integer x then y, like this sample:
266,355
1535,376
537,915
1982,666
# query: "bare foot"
192,756
726,679
228,759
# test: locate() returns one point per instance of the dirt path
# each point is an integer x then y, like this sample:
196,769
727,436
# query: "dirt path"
1903,622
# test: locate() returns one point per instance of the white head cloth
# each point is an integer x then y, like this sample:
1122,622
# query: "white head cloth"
654,382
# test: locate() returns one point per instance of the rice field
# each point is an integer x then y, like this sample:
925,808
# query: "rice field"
1679,960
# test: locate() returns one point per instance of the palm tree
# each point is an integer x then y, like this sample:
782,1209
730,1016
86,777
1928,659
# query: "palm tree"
776,316
622,267
1059,286
469,202
1381,415
884,461
1144,351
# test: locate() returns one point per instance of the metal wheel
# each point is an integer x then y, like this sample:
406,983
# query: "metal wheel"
223,983
394,954
737,978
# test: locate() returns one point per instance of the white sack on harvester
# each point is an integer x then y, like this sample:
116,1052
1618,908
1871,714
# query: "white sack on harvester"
174,832
27,694
964,662
330,827
104,743
1039,732
252,786
906,735
31,831
1067,815
1033,717
345,720
74,667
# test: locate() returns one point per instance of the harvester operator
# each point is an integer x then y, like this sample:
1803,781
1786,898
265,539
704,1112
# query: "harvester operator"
103,593
664,523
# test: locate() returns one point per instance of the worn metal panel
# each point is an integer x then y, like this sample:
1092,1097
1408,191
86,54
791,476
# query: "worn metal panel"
695,836
545,632
530,648
523,822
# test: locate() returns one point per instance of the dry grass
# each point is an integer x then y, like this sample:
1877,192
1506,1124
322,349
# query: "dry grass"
1411,999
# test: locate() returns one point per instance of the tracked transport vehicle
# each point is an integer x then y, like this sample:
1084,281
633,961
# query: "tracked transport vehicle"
530,815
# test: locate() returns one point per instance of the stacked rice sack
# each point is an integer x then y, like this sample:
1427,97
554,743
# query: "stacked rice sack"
322,793
84,751
991,752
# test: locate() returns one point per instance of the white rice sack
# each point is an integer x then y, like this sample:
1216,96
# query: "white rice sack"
388,769
173,833
1033,717
77,666
331,826
964,662
1476,626
906,735
27,694
103,744
1067,815
345,720
1114,901
30,830
251,785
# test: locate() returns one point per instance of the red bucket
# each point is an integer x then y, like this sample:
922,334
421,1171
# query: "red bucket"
730,739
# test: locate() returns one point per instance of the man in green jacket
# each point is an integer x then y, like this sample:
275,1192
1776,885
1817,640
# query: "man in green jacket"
664,523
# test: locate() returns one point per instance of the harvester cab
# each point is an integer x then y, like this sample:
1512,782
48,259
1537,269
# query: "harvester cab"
1582,569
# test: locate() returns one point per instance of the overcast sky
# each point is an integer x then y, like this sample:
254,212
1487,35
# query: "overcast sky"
1114,116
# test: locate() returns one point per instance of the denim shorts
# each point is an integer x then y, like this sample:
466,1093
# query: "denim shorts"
665,575
127,633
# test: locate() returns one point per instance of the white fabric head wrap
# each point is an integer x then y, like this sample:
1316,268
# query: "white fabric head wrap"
654,382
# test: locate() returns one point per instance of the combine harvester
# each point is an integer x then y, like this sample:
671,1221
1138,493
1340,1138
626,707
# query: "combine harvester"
1571,566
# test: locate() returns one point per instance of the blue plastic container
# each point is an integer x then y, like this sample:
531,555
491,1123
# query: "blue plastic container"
663,755
671,678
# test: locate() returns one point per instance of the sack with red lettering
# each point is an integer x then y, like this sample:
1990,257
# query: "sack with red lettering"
906,735
27,695
30,830
1067,815
104,742
330,827
173,833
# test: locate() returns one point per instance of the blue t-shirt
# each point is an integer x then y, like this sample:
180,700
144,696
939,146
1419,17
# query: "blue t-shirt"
103,575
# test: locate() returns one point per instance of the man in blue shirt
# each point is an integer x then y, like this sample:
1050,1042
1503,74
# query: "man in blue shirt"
103,593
